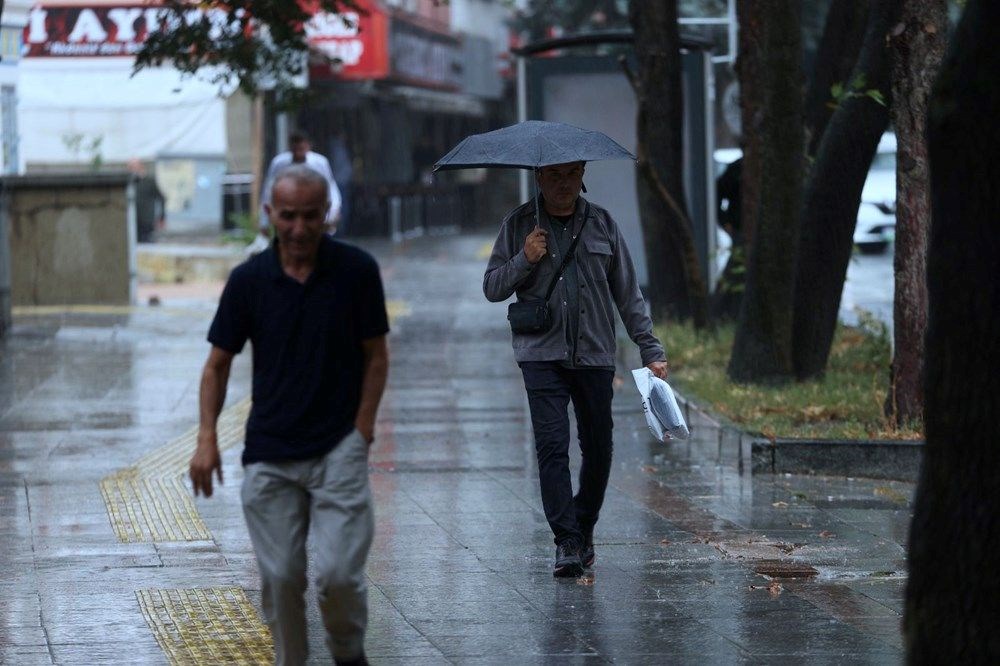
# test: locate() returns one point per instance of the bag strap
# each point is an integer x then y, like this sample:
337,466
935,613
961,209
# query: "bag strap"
569,254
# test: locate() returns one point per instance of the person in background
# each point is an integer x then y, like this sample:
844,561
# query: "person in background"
149,202
575,358
299,152
343,174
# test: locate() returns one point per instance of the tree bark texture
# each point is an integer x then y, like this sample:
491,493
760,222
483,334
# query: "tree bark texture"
952,608
676,287
833,194
762,349
748,69
843,33
918,43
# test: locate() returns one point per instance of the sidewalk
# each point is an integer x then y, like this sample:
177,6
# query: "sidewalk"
108,559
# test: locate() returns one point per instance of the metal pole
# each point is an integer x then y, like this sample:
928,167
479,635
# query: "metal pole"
132,238
5,286
522,115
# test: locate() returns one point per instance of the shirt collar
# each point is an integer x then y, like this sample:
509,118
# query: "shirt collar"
545,220
324,258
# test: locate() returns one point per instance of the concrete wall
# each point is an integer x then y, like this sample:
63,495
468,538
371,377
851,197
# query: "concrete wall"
72,239
239,133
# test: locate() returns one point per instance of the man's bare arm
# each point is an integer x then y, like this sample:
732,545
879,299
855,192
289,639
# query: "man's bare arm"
376,371
211,397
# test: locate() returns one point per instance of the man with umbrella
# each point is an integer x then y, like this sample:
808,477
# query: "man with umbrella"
574,357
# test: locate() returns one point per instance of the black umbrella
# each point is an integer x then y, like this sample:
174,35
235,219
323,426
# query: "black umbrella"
532,144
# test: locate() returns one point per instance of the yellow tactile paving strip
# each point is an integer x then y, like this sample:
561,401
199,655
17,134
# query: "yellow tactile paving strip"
149,501
397,309
206,626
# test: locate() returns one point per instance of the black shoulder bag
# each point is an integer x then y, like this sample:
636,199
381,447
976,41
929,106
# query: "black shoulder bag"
532,316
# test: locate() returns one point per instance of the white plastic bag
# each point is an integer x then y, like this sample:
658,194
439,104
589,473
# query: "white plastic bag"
663,414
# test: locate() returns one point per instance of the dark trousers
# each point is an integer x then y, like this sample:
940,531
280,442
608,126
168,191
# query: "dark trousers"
550,387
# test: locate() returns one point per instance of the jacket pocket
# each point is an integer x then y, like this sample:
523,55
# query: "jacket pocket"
598,255
597,246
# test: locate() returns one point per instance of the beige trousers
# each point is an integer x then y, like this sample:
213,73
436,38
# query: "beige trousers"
280,502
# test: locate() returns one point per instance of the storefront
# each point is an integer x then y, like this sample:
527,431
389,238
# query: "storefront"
406,91
80,108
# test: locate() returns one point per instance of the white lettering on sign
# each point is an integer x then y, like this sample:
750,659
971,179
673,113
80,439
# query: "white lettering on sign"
348,51
88,28
325,25
124,19
36,25
119,31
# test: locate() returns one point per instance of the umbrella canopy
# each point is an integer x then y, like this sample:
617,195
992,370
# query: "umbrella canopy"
532,144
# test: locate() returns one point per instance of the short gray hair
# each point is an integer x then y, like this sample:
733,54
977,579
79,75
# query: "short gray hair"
303,174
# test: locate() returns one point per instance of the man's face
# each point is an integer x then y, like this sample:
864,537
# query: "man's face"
299,150
560,184
298,214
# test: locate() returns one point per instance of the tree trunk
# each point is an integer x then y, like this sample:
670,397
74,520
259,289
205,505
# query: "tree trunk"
676,287
748,69
762,350
918,44
833,194
952,608
843,32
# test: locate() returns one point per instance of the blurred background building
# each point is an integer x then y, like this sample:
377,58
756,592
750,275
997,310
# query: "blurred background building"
413,77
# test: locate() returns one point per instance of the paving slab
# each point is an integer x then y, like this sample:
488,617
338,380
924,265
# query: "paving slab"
97,407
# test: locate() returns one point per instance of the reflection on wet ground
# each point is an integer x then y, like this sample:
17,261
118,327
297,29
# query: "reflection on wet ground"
461,567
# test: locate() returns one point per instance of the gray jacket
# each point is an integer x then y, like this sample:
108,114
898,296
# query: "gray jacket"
607,282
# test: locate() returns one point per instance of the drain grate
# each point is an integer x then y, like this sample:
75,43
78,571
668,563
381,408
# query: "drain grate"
783,569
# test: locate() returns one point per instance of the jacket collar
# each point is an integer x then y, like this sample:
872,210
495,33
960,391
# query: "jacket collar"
545,220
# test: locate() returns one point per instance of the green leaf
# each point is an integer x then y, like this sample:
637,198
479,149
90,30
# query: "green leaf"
877,96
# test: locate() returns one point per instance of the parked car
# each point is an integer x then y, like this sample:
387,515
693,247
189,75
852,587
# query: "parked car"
876,227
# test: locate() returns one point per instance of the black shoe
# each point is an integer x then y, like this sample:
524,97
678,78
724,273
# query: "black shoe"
567,561
359,661
587,555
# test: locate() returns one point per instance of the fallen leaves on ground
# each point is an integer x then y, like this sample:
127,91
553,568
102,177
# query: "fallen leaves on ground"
826,534
891,494
586,579
774,588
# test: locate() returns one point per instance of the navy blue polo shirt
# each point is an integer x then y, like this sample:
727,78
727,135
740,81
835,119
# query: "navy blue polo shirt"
308,362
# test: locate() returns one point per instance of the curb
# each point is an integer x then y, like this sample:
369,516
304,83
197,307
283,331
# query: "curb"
172,264
751,453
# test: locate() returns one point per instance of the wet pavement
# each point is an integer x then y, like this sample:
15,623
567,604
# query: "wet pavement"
106,558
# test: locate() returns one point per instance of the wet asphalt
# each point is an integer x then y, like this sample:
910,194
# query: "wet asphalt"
106,559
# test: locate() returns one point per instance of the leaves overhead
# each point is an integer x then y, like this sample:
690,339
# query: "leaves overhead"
255,45
570,16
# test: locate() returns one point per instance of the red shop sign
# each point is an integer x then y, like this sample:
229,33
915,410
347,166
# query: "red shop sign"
80,31
360,44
